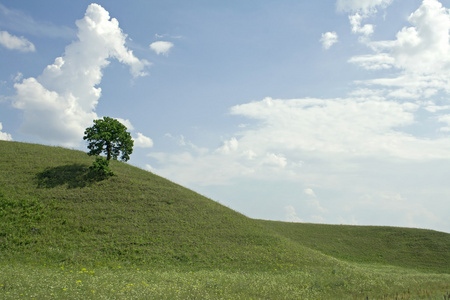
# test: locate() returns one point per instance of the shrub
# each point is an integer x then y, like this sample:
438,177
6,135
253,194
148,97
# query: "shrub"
100,169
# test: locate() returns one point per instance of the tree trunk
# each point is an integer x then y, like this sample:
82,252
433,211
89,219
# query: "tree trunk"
108,151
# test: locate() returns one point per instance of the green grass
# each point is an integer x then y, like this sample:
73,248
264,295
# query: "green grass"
424,250
344,282
137,235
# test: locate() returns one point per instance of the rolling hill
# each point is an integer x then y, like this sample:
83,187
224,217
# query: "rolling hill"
52,213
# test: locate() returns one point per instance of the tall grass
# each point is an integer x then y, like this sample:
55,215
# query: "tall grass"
347,282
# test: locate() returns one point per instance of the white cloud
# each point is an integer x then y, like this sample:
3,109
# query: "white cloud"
425,47
346,126
16,43
355,21
161,47
229,146
275,160
445,119
309,192
181,141
364,6
313,202
291,214
421,49
60,103
315,132
360,10
127,123
373,62
328,39
3,135
142,141
421,54
435,108
368,143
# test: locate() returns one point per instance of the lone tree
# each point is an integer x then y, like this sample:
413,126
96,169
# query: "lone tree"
111,137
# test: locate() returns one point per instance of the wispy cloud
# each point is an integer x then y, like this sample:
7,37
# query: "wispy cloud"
19,21
13,42
291,214
363,6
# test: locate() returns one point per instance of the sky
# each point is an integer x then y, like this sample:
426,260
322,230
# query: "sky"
333,112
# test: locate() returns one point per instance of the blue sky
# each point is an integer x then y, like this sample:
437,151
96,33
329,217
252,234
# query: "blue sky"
300,111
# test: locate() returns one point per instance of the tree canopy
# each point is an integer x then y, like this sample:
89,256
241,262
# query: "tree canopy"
111,137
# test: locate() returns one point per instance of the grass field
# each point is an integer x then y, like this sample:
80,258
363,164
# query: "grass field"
136,235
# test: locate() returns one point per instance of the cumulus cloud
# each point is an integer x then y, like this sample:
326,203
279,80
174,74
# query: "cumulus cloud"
3,135
360,10
126,122
229,146
355,21
161,47
422,48
421,52
329,39
142,141
60,103
15,43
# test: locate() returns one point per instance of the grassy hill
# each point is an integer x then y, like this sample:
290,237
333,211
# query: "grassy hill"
424,250
53,211
54,217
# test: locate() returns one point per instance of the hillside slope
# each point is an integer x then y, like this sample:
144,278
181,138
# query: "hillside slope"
424,250
51,211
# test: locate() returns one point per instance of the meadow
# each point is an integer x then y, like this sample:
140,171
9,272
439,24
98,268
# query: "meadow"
66,235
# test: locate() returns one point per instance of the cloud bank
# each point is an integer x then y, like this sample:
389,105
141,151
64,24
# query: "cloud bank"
365,152
60,103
